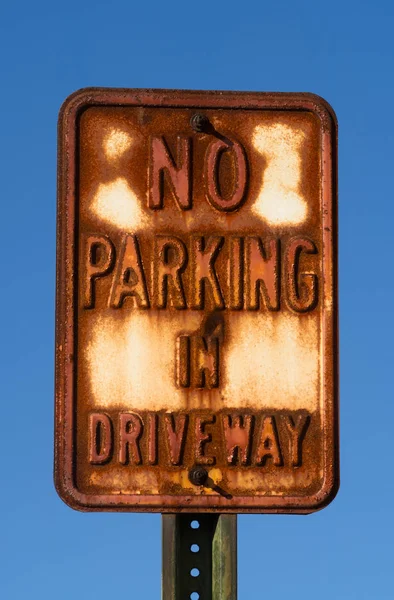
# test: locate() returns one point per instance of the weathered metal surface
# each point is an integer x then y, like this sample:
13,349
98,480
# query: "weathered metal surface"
196,302
199,556
224,559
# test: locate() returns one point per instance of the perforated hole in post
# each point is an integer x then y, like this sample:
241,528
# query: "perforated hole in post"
195,556
195,524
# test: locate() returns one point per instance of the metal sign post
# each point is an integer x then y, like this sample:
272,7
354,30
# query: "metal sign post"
199,557
196,328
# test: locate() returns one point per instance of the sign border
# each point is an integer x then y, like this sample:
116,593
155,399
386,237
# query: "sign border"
66,268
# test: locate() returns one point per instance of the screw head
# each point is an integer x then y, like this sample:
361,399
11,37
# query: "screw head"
199,122
198,475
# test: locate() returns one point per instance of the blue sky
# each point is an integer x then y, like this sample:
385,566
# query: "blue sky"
342,50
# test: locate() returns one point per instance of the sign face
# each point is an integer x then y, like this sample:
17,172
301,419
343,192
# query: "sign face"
196,302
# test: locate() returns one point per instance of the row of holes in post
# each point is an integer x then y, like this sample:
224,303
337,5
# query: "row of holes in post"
194,548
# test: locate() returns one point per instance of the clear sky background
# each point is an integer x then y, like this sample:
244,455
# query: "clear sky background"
342,50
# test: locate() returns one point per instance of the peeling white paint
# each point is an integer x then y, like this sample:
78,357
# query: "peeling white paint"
117,204
280,201
116,143
270,361
273,361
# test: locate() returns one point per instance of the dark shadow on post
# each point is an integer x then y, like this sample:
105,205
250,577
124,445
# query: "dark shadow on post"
200,559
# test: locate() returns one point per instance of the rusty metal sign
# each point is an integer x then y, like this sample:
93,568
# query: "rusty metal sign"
196,343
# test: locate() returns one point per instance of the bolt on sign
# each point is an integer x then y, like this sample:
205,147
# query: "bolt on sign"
196,302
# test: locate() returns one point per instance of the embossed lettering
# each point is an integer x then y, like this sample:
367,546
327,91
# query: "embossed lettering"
236,273
202,438
205,352
99,253
130,431
170,259
262,273
197,361
100,438
183,361
227,438
297,429
176,429
129,279
218,273
302,287
237,434
203,253
211,174
177,173
152,438
268,444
